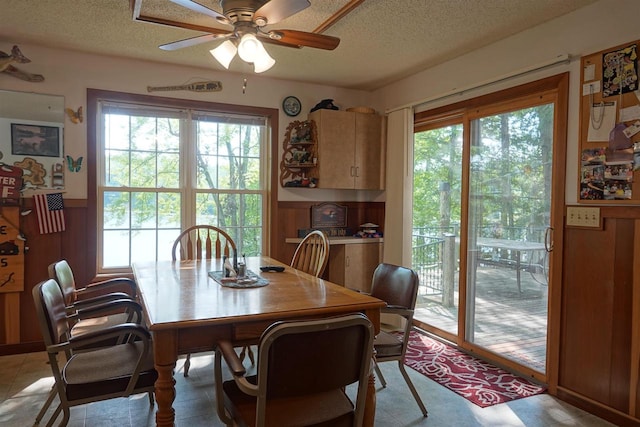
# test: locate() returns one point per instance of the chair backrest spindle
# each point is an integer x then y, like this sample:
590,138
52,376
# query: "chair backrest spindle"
200,247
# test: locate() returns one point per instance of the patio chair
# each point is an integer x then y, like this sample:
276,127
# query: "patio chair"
312,254
398,287
303,367
93,374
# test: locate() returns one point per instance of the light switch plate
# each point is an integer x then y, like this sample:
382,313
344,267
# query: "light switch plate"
583,217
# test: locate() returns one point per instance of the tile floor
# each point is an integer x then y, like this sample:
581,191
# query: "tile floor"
26,379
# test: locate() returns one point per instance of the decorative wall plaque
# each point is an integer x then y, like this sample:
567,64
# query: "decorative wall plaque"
328,215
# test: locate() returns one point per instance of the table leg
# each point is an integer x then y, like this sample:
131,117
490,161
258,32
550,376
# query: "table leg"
165,394
370,403
165,363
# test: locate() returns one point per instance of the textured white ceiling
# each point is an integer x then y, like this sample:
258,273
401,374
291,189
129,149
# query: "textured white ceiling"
381,40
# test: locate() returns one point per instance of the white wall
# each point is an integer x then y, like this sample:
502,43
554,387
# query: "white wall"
599,26
70,73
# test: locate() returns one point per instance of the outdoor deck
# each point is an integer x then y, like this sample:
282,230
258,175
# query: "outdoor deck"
508,322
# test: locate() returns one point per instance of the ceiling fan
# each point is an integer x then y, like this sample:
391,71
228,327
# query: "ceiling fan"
249,19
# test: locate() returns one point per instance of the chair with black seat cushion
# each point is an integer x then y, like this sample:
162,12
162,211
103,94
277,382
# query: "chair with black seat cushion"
303,367
398,287
93,374
312,254
204,242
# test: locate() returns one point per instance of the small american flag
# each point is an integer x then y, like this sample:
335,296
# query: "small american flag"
50,210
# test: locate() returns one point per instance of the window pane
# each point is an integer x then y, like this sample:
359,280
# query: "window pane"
143,133
115,248
239,214
117,168
116,210
169,210
437,199
143,245
228,156
116,130
143,210
143,169
169,170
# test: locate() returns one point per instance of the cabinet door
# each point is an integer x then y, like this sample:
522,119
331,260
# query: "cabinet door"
336,148
352,265
368,152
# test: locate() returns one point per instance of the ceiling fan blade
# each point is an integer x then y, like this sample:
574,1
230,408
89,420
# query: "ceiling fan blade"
193,41
197,7
302,38
277,10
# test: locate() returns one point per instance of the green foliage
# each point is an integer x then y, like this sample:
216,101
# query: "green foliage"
145,187
510,171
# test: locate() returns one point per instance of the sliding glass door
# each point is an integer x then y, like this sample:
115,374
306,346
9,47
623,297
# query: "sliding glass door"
483,214
509,210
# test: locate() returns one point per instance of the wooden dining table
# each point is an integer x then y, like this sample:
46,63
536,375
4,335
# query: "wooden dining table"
187,312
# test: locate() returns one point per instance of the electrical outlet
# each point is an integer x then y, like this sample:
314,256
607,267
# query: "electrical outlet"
578,216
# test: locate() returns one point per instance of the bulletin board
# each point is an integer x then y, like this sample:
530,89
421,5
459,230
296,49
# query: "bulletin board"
609,152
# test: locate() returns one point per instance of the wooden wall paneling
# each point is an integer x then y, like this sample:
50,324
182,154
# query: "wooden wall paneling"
634,377
296,215
600,337
43,250
587,311
73,246
622,315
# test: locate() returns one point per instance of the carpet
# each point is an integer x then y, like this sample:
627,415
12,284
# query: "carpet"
472,378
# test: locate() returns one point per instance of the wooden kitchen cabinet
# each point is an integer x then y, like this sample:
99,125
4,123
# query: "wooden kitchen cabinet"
350,150
352,265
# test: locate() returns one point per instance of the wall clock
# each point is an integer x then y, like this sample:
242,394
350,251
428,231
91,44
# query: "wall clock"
291,106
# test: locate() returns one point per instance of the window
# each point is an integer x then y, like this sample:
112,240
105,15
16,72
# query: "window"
161,169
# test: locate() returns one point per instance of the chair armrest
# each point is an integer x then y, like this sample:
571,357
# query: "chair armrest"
84,341
231,358
121,284
88,302
400,311
110,307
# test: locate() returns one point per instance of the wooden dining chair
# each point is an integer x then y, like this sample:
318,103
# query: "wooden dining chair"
398,287
303,369
312,254
203,242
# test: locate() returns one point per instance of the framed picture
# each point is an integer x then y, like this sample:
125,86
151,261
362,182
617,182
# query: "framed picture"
35,140
328,215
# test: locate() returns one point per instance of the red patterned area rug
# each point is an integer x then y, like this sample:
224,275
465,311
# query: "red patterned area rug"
472,378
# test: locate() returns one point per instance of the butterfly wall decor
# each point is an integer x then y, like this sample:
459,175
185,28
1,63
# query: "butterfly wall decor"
75,116
74,165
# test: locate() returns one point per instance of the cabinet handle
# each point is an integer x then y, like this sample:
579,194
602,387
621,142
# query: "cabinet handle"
347,261
352,171
357,171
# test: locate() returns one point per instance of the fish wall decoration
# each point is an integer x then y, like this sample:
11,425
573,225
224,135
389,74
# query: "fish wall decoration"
17,57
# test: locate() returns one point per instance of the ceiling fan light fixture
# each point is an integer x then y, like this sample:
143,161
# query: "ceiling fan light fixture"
224,53
263,61
249,47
